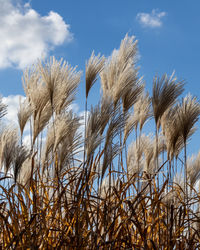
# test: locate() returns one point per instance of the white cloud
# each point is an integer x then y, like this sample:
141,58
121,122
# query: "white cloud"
26,36
151,20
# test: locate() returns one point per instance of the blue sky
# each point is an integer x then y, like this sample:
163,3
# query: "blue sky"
167,31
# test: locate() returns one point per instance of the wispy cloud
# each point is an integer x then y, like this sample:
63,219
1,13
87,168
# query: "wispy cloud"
151,20
25,35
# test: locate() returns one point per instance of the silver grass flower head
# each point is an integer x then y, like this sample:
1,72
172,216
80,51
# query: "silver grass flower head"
161,145
148,151
165,92
135,157
93,67
119,74
178,124
130,124
25,172
193,169
66,152
188,114
62,137
126,82
66,126
3,107
35,90
107,111
171,129
132,95
21,154
41,120
60,81
49,72
128,51
142,109
8,143
23,114
93,131
66,88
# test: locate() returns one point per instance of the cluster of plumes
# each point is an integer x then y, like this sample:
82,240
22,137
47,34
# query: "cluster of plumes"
50,89
130,107
193,164
63,139
142,112
121,88
95,164
119,78
123,110
178,124
142,154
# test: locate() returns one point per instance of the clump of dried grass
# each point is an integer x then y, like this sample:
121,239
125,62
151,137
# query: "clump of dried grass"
50,197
